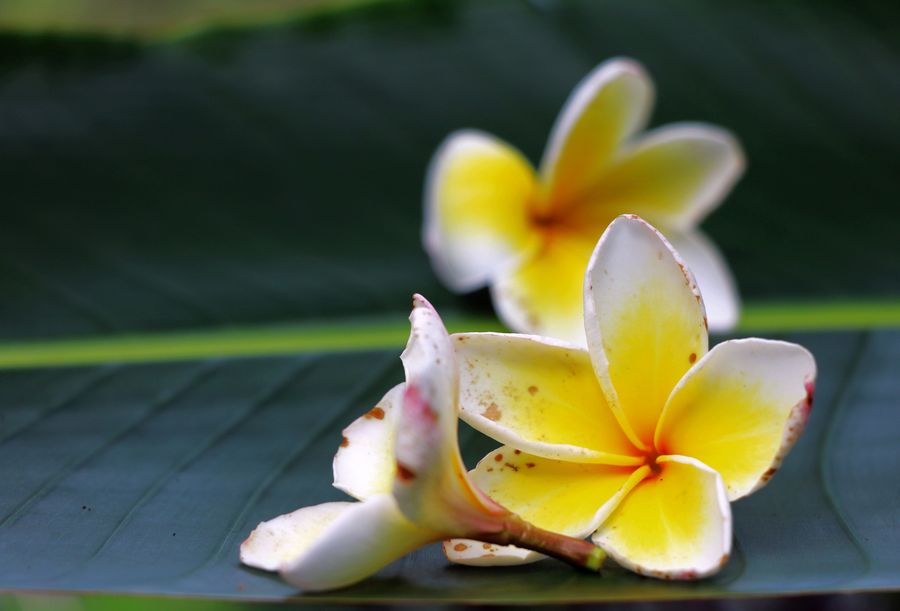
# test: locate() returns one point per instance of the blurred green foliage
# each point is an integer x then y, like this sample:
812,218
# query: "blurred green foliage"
149,20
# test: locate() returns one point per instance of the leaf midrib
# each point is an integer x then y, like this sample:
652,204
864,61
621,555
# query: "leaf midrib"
381,333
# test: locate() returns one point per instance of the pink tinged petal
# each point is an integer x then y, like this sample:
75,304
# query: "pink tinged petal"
740,410
539,395
606,108
365,463
714,279
644,321
478,196
675,524
279,540
364,538
672,176
431,485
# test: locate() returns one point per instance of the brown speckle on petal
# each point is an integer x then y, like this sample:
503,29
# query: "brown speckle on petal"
532,390
460,547
405,473
376,412
492,412
530,465
498,457
344,442
692,357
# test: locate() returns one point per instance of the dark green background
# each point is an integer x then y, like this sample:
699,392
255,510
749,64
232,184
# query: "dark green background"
276,173
272,174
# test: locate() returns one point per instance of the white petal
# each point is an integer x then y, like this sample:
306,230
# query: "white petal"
365,464
714,278
476,553
364,538
279,540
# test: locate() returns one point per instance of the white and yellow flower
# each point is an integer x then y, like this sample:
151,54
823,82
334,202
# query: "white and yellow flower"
401,461
643,438
490,219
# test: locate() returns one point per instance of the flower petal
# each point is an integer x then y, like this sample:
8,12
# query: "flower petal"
564,497
720,296
476,553
559,496
645,323
431,485
740,410
477,216
672,176
544,295
538,395
365,537
365,463
279,540
673,525
608,105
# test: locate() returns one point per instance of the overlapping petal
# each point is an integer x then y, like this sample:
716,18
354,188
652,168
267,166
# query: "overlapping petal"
560,496
644,321
544,294
365,537
431,486
365,463
672,176
675,524
539,395
720,295
606,108
740,410
478,201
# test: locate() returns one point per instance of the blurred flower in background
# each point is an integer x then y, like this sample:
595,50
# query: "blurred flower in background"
491,220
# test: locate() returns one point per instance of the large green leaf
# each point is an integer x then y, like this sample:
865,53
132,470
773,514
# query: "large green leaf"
257,192
136,18
275,174
145,478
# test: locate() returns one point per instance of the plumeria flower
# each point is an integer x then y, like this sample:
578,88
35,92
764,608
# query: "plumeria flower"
490,219
401,461
643,438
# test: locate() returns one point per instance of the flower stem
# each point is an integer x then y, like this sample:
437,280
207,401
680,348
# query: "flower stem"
577,552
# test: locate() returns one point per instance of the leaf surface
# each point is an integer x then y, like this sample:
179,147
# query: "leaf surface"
144,478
